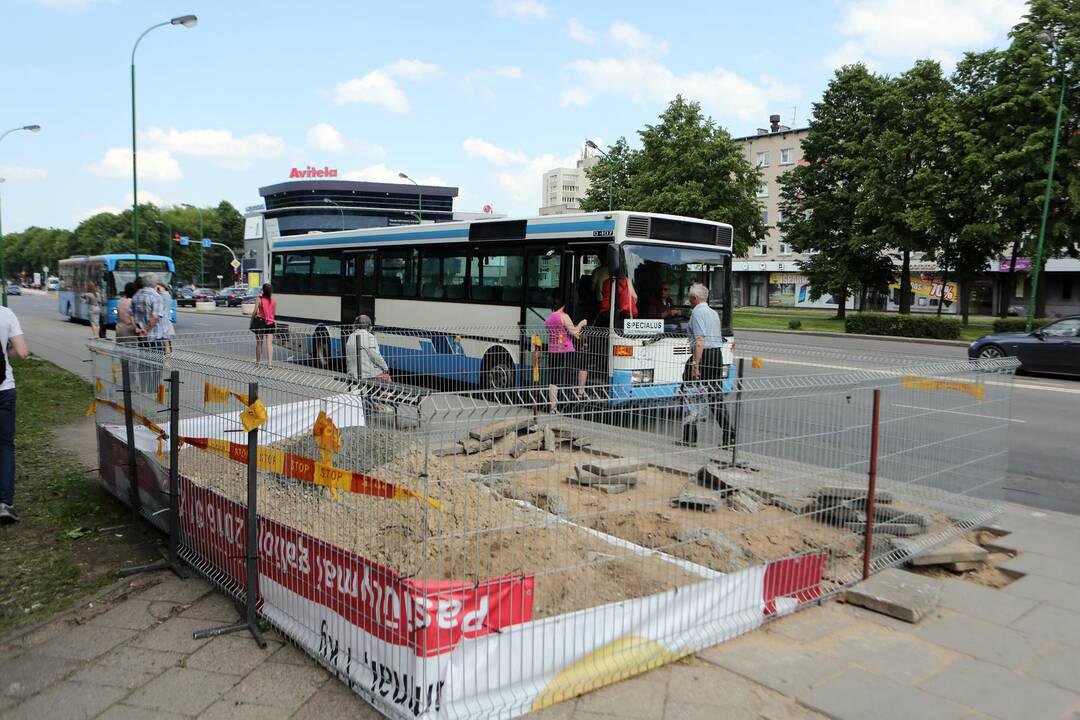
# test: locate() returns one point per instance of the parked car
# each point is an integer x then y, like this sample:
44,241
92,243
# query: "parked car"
185,297
1052,348
248,296
14,290
54,285
224,296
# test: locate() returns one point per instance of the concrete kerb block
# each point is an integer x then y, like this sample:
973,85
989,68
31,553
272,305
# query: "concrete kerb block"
494,431
896,593
958,551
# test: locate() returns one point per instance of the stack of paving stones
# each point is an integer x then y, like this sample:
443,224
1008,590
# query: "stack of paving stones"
611,476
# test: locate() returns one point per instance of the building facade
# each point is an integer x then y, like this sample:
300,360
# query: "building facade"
563,188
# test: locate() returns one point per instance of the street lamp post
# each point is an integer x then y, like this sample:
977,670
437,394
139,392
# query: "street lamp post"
1047,37
168,238
186,21
611,171
3,271
419,195
202,253
340,209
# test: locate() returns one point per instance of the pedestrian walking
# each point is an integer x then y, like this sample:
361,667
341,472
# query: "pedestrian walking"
92,299
706,365
14,345
125,323
262,324
562,364
362,356
147,310
168,331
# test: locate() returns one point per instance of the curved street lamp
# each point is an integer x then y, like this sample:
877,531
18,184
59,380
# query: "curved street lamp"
3,272
186,21
420,198
594,146
328,201
1047,38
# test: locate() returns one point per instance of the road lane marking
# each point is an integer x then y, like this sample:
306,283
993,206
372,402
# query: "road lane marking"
1024,386
959,412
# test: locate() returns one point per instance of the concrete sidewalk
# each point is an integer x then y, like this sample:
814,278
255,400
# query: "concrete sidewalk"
984,653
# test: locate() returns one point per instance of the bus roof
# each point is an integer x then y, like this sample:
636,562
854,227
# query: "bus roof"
116,256
617,224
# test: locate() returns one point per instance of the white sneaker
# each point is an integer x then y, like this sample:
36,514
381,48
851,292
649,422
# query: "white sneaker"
7,515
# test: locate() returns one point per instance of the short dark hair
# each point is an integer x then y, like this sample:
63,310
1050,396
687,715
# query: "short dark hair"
556,303
267,291
129,290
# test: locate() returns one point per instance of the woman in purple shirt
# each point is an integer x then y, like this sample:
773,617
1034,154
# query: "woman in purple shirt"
562,360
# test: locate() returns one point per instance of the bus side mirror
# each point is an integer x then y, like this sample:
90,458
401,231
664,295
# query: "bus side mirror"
611,260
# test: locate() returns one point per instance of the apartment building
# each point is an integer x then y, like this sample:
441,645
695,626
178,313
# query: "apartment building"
563,188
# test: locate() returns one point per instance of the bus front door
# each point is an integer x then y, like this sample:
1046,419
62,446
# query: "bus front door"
359,297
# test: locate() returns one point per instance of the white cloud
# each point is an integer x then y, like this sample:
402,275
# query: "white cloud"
16,172
904,30
635,41
413,69
324,136
79,217
145,196
153,165
234,151
478,147
521,9
577,31
375,88
381,173
644,80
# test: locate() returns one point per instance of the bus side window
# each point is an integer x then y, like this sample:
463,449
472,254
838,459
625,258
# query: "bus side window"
297,277
543,278
326,274
397,273
496,278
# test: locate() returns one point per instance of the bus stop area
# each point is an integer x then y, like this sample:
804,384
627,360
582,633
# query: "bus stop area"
467,553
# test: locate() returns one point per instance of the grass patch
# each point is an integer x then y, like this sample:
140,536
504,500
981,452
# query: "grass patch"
754,318
54,556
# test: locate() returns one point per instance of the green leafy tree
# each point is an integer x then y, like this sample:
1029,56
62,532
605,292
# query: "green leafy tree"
823,201
687,165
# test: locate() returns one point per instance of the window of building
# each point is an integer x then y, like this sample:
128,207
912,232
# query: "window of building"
442,275
495,277
764,217
762,248
779,217
763,190
785,156
326,274
763,159
397,273
785,248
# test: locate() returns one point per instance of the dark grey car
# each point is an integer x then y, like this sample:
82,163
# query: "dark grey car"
1052,348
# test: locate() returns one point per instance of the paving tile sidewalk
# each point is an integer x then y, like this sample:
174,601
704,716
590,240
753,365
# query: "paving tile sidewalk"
984,653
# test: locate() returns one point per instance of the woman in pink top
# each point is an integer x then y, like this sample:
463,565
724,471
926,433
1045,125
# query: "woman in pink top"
262,324
561,356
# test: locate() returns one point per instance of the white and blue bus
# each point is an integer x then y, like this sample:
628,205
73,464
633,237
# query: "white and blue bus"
109,274
480,291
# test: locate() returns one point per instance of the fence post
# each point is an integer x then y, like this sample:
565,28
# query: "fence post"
172,559
129,427
871,490
249,621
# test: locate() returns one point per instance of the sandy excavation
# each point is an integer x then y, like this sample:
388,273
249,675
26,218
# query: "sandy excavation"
517,499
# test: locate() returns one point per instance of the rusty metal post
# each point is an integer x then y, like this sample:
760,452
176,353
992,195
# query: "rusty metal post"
871,489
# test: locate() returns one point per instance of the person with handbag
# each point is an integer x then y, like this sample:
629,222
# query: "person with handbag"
704,372
262,324
362,356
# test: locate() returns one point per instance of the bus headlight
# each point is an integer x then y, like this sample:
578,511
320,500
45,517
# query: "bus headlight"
641,377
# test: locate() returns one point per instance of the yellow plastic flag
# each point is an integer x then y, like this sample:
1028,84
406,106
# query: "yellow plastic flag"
99,387
115,372
755,363
161,393
253,416
92,409
214,394
536,344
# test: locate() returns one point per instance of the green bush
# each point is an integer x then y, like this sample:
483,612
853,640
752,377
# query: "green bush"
916,326
1015,324
795,324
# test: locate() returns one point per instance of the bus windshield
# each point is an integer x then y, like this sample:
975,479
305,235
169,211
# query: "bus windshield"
662,275
124,272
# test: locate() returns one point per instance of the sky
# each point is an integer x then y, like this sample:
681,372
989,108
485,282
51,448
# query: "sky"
484,95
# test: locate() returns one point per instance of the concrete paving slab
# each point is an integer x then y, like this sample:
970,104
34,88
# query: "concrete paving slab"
1048,590
774,662
1059,666
236,710
1051,623
897,657
216,607
182,690
128,667
902,595
639,697
1058,568
127,712
958,550
983,602
132,614
84,642
289,654
282,686
66,700
173,589
233,654
812,623
334,700
22,676
999,692
857,694
174,635
980,639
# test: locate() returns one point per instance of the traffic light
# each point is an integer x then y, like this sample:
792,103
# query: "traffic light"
176,238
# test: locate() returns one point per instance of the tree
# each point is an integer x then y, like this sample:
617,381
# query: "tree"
823,200
687,165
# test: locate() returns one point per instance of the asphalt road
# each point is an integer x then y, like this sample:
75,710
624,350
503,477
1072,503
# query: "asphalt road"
1044,417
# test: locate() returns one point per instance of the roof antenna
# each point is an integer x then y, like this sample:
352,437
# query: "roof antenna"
794,108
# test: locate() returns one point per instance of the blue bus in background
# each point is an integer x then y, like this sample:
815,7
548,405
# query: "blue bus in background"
108,274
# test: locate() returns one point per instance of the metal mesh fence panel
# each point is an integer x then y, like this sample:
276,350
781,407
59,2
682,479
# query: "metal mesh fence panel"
452,547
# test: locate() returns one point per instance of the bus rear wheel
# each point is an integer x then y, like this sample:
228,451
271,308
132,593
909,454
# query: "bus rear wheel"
497,370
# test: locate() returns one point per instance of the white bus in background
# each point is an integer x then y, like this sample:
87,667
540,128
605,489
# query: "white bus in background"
481,290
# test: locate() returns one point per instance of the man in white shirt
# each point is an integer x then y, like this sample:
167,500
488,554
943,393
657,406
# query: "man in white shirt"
10,335
362,355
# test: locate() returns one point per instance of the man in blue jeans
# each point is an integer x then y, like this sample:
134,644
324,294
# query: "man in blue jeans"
13,344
